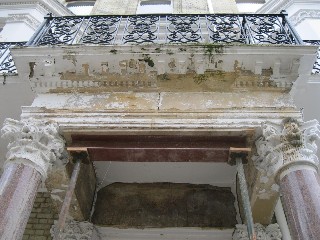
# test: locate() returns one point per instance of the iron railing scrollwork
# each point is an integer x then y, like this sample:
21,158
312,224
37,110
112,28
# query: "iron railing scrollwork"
7,65
140,29
316,65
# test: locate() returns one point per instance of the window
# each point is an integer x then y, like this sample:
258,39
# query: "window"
249,6
154,6
80,7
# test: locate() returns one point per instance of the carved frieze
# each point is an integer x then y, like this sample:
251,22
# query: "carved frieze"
284,143
34,143
271,232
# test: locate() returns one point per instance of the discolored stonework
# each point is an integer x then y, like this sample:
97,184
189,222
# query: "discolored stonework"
164,205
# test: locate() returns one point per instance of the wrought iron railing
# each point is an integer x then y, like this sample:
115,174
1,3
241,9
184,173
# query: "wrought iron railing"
7,65
140,29
316,65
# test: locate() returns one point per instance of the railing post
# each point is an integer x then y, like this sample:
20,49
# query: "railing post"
35,37
285,20
236,157
78,156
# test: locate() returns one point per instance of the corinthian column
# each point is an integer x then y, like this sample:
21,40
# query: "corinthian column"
33,147
287,152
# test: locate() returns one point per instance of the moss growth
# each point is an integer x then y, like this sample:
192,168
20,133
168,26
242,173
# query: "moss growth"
198,79
163,77
149,61
213,48
114,51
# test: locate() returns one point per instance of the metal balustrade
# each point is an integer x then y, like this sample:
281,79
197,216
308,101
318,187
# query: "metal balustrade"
167,29
7,65
160,29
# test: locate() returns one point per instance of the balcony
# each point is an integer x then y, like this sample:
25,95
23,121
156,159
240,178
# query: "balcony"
130,52
166,29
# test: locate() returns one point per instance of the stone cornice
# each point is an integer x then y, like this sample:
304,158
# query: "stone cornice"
34,143
26,18
52,6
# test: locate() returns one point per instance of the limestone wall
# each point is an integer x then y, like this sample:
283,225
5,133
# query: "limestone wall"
123,7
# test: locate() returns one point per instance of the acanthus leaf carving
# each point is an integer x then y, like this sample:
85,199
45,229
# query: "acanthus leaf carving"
284,143
34,143
75,230
270,232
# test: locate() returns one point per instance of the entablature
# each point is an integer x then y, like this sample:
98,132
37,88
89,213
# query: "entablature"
164,67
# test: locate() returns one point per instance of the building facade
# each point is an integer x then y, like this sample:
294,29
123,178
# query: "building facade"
169,119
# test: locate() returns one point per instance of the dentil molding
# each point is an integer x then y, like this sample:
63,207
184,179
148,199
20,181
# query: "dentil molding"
34,143
286,143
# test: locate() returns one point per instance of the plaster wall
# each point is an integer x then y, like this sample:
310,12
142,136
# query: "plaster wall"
22,33
13,95
312,26
216,174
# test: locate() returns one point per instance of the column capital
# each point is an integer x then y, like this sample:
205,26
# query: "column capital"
35,143
270,232
74,230
291,143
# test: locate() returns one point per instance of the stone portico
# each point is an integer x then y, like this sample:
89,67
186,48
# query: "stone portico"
166,105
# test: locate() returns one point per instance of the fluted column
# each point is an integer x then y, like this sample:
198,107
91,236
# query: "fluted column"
33,147
287,152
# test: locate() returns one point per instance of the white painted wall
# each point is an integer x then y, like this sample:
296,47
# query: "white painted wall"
13,95
309,29
217,174
22,32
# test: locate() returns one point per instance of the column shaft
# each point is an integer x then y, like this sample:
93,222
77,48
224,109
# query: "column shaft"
300,191
18,188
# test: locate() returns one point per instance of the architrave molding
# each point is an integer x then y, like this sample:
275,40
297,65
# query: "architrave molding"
26,18
52,6
275,6
303,14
